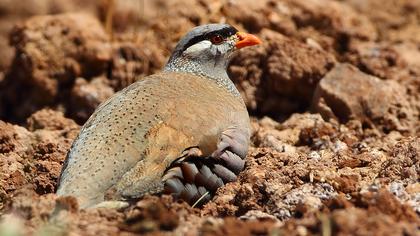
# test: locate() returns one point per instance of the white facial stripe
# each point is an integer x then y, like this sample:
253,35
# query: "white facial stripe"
198,47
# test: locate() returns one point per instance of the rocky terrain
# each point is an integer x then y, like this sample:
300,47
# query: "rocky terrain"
333,93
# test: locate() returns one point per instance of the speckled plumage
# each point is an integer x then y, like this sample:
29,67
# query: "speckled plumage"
219,77
148,124
184,130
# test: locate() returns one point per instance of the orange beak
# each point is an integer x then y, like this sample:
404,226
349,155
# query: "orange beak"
246,40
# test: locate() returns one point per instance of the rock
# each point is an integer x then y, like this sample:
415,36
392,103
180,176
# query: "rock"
345,93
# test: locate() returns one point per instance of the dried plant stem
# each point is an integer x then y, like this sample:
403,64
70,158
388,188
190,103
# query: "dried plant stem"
109,18
201,198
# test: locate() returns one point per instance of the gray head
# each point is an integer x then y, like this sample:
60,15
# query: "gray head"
207,49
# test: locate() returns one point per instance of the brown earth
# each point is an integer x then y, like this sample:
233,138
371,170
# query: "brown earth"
333,92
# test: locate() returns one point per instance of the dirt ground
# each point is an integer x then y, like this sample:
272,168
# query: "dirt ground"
333,93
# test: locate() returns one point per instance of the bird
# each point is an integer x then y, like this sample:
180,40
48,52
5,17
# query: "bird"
184,131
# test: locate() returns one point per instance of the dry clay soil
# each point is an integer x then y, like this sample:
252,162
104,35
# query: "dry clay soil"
333,94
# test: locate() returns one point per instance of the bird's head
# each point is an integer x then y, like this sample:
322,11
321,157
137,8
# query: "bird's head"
207,50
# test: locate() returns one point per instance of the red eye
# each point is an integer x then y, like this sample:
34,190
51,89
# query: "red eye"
216,39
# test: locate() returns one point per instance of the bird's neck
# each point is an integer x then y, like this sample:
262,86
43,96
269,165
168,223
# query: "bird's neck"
215,72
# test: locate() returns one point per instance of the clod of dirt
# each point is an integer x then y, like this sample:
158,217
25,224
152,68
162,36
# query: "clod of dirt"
51,51
333,18
395,20
281,76
384,61
404,163
85,96
32,159
346,93
50,120
15,12
377,212
234,226
149,217
301,130
132,59
15,142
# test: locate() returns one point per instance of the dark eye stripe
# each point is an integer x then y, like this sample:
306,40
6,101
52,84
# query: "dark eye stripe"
225,33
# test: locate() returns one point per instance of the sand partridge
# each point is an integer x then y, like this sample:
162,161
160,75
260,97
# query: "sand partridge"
184,131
